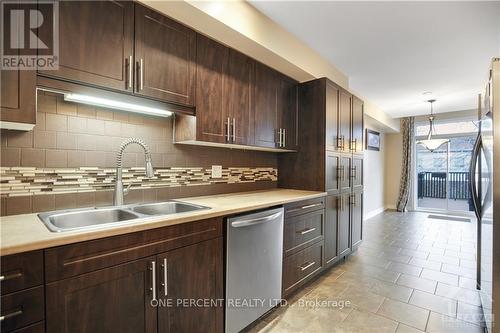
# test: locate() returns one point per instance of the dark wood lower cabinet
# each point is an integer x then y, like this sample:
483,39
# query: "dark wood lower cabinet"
115,299
331,225
343,229
188,279
356,219
165,290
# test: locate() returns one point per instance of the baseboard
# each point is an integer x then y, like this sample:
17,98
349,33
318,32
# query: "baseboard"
373,213
390,207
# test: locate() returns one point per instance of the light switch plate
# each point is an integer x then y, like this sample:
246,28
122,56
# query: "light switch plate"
216,171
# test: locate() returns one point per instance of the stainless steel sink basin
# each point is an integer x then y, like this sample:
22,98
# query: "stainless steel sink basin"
85,219
164,208
95,218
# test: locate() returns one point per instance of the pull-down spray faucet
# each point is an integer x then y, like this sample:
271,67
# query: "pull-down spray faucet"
119,191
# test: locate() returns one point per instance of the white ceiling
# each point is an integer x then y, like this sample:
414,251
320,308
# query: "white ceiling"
395,51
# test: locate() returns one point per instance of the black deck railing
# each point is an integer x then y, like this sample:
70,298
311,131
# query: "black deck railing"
433,185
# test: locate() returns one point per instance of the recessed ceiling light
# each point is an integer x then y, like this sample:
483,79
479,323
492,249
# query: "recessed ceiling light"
427,93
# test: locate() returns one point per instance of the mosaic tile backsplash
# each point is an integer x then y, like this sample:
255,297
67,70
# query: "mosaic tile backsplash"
26,181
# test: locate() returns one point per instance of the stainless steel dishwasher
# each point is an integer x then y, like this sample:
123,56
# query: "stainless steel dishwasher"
254,253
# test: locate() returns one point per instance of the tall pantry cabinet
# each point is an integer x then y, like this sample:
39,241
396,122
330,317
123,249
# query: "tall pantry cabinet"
330,159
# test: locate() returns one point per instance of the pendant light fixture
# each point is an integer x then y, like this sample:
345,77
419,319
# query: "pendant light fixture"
430,143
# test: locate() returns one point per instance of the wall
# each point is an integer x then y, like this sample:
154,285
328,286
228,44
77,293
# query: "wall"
73,147
373,176
392,172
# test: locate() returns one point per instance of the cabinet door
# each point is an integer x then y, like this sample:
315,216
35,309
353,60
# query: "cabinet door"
343,231
238,90
167,52
115,299
356,218
331,224
191,273
96,42
211,116
266,106
344,173
357,125
18,96
333,172
356,172
344,120
288,112
333,141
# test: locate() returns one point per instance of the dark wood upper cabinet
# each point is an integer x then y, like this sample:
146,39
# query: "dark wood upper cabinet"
357,125
331,224
356,218
333,172
238,97
344,120
211,116
96,43
165,53
275,109
191,273
288,112
18,99
115,299
333,141
224,80
266,115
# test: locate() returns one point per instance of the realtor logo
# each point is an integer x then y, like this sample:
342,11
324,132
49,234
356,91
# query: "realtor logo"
30,35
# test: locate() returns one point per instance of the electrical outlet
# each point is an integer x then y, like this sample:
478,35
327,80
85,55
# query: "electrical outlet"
216,171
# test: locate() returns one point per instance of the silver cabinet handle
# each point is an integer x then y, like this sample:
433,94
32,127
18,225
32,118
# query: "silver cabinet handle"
353,200
249,222
306,265
10,276
310,206
141,74
10,315
165,276
130,72
234,129
353,172
228,131
284,137
306,231
153,280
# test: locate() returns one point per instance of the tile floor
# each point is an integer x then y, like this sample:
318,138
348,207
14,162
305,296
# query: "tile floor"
411,274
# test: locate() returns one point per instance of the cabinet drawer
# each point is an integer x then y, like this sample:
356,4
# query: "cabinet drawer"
75,259
21,271
305,206
303,230
301,266
22,308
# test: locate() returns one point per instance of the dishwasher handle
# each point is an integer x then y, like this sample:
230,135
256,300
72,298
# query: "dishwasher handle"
258,220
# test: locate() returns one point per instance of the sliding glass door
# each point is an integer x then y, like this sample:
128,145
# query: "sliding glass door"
442,176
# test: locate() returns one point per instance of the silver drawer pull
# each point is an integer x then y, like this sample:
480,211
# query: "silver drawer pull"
10,315
10,276
310,206
306,231
307,265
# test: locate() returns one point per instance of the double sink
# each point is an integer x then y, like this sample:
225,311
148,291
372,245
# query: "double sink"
95,218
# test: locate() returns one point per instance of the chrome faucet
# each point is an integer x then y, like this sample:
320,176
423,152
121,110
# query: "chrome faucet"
119,191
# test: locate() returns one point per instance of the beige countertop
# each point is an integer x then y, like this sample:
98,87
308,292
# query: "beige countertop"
21,233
